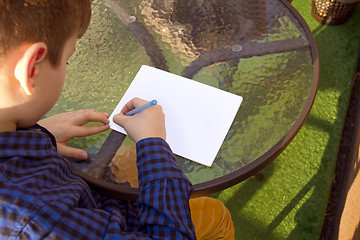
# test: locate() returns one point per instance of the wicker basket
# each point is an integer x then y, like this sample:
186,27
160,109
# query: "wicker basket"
331,12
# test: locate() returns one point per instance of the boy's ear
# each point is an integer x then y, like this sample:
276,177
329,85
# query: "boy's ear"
26,67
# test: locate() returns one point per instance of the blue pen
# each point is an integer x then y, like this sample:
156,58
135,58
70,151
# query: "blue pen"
139,109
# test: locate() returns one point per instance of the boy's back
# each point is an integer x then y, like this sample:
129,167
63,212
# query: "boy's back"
43,197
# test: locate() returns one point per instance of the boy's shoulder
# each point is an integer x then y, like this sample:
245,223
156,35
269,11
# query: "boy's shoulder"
30,163
29,139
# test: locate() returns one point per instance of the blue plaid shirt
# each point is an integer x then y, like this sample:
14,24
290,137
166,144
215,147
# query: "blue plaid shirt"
41,197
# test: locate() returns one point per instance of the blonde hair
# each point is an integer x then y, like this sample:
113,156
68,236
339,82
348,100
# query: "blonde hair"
48,21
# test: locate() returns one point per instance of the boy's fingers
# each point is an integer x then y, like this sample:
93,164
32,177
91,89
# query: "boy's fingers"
91,116
67,151
89,130
133,103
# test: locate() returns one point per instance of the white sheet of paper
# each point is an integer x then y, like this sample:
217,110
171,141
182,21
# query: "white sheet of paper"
197,116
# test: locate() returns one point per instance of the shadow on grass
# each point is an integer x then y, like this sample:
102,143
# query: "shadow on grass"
310,215
243,194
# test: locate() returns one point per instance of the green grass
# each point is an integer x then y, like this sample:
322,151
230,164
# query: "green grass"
290,202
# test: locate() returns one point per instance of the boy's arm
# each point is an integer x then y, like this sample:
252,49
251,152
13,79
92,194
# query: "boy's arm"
162,210
164,192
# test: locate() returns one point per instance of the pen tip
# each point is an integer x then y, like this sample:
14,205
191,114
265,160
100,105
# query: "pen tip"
153,102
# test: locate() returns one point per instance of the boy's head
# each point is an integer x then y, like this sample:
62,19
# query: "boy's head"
36,39
48,21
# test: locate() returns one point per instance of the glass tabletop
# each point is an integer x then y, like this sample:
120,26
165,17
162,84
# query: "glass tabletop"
261,50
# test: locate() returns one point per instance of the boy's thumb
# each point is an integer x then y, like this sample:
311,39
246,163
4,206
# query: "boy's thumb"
120,119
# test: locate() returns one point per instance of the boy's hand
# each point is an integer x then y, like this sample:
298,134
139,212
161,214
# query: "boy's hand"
147,123
65,126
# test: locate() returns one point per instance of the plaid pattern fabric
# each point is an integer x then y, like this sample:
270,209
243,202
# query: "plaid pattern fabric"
41,197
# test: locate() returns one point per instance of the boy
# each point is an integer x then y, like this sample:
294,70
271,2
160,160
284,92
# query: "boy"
40,195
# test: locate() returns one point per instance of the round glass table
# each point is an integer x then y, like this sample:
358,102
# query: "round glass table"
261,50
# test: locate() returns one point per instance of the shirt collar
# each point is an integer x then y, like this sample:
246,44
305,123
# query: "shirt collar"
33,141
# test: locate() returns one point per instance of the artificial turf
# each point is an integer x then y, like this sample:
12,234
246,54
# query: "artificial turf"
290,202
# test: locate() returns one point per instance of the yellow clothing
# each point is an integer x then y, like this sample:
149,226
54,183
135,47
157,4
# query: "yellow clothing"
212,220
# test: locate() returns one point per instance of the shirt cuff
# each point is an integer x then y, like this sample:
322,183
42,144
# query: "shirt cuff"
155,160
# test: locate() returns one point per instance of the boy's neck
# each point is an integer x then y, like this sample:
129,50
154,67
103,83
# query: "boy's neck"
6,126
7,121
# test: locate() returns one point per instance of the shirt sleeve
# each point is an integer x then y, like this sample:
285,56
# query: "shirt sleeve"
164,192
162,210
